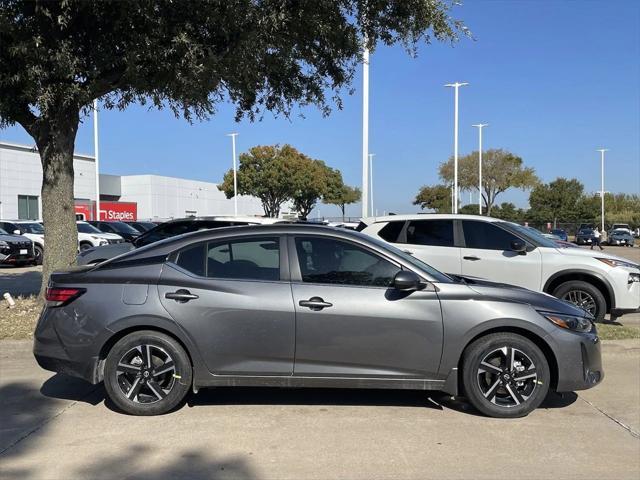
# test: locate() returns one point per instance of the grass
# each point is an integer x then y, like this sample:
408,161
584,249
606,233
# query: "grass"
19,322
617,332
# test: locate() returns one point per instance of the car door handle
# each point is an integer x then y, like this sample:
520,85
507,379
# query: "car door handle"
181,296
473,258
315,303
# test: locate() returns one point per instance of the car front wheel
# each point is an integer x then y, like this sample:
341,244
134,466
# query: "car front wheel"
505,375
147,373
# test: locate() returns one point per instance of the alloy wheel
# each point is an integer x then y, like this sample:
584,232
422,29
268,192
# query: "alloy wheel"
146,374
507,377
581,299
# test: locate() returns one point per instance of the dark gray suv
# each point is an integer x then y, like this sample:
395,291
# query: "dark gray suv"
306,306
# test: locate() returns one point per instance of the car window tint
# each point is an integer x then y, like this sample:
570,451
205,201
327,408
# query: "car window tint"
430,232
192,260
391,231
486,236
255,259
325,260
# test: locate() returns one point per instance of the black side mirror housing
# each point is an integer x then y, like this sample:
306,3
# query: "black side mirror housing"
407,281
519,246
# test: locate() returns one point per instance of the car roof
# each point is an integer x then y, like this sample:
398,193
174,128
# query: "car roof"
229,218
429,216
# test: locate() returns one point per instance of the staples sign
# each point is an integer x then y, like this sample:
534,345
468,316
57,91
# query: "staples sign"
119,211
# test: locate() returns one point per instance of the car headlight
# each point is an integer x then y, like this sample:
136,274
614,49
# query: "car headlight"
617,263
569,322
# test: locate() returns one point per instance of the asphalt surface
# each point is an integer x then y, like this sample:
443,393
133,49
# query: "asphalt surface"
56,427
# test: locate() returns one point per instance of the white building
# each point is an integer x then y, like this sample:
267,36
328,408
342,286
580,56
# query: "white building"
156,197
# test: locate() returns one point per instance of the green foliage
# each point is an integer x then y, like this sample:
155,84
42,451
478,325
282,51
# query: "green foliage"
501,170
340,194
312,183
436,198
557,200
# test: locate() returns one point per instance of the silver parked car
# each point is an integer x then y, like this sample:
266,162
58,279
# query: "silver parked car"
306,306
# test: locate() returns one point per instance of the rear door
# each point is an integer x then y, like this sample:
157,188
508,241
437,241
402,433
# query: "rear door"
487,254
351,322
233,299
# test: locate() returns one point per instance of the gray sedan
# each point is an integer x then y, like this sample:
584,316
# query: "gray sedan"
306,306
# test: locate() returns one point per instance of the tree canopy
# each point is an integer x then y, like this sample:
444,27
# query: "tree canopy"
436,198
556,200
341,195
501,170
57,57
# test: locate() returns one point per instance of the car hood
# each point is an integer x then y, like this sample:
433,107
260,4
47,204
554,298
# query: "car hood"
14,238
511,293
581,252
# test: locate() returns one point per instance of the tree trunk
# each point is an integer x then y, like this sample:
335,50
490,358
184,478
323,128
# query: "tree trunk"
55,145
342,209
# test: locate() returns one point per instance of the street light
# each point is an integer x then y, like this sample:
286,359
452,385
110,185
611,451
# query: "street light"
96,155
235,173
371,155
480,126
365,130
602,150
455,86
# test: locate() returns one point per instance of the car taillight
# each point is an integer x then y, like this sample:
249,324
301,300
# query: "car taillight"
58,296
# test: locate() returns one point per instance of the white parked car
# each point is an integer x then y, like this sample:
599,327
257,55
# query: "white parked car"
505,252
89,236
30,229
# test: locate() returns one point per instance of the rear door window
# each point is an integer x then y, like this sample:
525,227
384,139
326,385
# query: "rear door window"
251,259
437,233
486,236
391,231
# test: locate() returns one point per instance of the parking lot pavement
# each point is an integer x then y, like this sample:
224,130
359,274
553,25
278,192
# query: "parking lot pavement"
18,281
55,427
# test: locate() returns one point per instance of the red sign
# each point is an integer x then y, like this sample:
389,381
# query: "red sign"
83,212
118,211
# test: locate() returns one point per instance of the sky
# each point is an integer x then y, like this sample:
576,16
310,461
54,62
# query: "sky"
555,80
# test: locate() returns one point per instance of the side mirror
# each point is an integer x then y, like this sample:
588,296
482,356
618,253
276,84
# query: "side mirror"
519,246
17,232
407,281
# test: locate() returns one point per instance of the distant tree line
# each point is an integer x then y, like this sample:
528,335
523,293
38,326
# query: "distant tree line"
560,201
278,174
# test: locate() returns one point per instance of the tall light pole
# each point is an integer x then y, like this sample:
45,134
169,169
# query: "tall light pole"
235,173
371,155
365,130
602,150
480,126
97,157
455,86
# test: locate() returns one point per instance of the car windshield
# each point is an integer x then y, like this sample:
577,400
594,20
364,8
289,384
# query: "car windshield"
530,234
32,227
586,231
86,228
2,232
122,227
619,232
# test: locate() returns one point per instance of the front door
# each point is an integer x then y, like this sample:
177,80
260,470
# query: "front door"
229,298
487,254
351,323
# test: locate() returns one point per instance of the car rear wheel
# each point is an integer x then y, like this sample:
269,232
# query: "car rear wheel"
147,373
583,295
85,246
505,375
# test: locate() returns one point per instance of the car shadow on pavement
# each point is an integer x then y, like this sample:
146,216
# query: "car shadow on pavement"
312,396
64,387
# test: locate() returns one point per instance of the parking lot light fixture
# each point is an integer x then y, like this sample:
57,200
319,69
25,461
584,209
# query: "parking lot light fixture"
365,130
602,150
235,173
371,155
455,87
480,126
96,156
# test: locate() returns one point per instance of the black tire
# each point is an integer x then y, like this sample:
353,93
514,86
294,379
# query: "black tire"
583,295
85,246
500,395
39,254
154,392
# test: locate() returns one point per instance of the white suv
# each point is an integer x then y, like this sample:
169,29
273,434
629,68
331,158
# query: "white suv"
475,246
89,236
